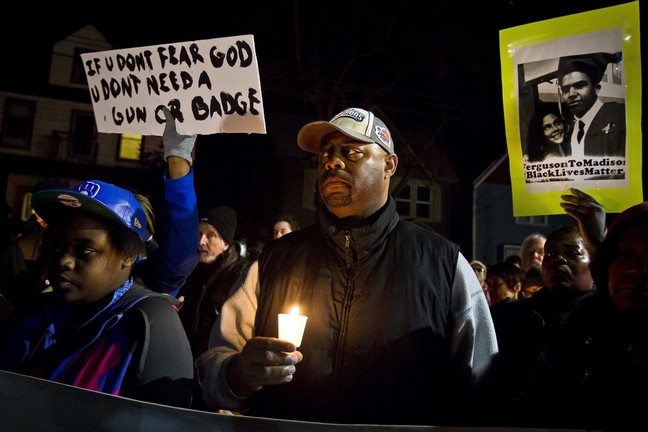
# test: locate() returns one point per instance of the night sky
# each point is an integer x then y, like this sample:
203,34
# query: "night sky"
431,66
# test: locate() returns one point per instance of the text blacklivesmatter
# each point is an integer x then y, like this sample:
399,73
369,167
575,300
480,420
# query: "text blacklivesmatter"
613,167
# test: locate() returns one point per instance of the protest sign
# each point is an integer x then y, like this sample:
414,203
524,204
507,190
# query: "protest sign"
210,86
550,70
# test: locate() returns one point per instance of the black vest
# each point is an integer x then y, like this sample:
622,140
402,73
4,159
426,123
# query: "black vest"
377,336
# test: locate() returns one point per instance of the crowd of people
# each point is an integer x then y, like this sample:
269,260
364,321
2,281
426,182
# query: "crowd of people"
402,328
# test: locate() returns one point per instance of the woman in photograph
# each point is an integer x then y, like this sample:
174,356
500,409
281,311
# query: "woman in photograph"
547,134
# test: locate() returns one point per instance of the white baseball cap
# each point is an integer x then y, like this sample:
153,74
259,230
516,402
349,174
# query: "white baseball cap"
356,123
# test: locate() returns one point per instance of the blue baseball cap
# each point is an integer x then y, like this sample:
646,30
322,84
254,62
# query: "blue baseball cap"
96,197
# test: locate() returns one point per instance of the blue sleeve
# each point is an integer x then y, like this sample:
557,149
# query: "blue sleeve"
168,267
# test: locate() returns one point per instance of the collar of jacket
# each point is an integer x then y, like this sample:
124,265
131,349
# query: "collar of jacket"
360,236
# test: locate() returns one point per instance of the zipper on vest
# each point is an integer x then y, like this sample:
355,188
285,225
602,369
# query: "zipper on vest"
348,253
344,322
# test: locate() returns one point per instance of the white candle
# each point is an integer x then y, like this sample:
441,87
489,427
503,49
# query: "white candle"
291,326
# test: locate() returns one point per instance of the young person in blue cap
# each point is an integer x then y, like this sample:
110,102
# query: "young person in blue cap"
98,329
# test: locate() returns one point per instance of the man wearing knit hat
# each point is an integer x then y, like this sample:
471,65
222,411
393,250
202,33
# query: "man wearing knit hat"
217,230
208,286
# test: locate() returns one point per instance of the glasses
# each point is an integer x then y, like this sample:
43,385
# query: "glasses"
479,269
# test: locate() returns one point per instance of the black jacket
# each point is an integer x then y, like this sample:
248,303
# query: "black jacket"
593,374
376,345
606,136
205,291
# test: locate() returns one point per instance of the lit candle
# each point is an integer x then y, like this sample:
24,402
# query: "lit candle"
291,326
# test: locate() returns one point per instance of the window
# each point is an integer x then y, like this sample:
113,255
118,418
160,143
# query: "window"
78,72
532,220
509,250
616,74
18,123
130,147
310,196
415,201
83,137
26,210
403,201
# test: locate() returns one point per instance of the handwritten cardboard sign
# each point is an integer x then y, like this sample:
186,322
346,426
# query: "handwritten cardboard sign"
210,86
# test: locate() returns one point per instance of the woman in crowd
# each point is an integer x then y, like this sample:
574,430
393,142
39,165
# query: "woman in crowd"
504,282
594,373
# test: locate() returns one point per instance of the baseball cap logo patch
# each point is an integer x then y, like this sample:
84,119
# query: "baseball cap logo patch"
68,200
89,188
137,223
355,115
383,135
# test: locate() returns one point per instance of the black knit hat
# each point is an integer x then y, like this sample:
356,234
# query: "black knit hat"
224,220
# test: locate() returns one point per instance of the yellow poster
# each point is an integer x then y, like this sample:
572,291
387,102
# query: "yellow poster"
572,108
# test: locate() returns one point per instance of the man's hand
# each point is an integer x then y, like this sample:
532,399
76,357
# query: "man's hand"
175,144
589,214
263,361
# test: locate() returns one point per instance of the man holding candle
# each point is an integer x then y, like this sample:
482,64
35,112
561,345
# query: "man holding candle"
398,331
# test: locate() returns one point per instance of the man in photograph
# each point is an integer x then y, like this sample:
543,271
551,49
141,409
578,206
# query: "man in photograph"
598,128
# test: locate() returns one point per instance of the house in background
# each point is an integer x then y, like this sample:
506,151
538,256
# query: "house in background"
48,130
496,232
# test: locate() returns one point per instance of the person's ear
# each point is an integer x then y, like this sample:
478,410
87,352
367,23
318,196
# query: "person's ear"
391,162
517,288
129,261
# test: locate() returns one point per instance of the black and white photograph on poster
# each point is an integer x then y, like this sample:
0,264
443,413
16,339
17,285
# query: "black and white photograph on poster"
571,94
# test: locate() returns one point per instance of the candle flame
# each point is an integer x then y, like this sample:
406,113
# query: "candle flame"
294,310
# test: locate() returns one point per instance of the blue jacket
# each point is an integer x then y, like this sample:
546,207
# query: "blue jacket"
170,263
132,345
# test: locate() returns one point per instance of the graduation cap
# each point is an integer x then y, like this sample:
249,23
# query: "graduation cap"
593,65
